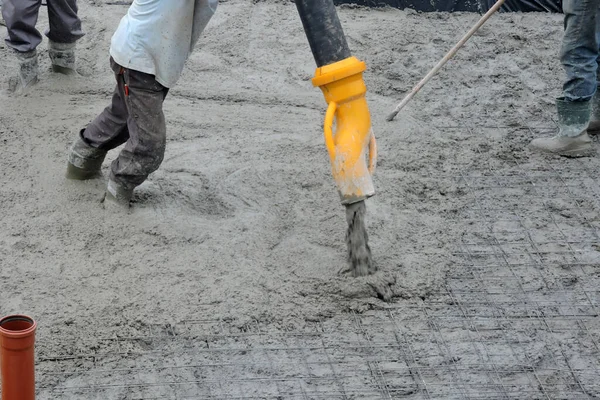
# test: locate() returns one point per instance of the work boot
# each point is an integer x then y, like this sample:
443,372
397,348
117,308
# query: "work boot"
1,17
572,139
594,126
117,196
84,160
28,72
62,56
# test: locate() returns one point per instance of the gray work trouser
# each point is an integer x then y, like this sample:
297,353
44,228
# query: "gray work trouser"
580,52
135,116
21,16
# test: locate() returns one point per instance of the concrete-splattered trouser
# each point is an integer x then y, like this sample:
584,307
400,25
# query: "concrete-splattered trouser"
148,52
579,105
21,17
135,117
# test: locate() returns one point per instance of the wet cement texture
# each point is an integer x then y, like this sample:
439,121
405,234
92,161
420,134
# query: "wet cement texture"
360,260
223,282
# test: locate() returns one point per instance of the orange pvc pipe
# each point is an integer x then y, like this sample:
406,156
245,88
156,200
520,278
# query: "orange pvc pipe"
17,364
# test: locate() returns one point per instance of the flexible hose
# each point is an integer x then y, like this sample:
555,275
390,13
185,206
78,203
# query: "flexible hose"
323,30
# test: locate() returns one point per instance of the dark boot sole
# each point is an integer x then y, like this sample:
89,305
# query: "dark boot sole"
577,153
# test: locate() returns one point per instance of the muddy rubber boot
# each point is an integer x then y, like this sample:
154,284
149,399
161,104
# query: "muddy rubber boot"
594,126
28,72
572,139
84,161
117,197
62,56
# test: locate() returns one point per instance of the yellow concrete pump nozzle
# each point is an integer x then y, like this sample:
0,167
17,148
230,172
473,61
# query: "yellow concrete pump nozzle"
344,90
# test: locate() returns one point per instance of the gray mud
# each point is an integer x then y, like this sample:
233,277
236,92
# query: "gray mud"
242,222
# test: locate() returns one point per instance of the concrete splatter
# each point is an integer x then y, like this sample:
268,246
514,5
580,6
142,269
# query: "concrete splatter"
359,253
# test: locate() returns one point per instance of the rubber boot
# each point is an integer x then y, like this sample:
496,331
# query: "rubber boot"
594,126
117,196
572,139
62,56
28,72
84,160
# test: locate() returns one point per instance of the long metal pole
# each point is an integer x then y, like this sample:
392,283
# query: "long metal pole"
444,60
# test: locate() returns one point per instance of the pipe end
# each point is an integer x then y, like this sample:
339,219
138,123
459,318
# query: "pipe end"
17,326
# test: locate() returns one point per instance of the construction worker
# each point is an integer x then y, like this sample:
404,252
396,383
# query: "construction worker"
20,17
148,52
579,106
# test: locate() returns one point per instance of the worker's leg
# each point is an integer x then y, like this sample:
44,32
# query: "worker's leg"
107,131
1,17
579,55
20,17
144,151
594,127
579,52
65,25
64,31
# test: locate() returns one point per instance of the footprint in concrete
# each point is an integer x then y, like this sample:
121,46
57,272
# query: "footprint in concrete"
183,189
259,188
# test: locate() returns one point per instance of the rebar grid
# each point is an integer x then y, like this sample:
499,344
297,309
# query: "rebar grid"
517,318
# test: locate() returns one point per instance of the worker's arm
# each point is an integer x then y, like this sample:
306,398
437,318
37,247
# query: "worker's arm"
203,12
